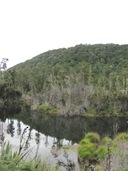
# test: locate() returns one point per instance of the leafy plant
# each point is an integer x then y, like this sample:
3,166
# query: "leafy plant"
122,137
85,79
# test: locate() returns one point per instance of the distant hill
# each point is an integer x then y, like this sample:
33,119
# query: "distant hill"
85,79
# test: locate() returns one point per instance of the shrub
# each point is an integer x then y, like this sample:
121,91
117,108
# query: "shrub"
12,161
48,109
86,151
101,152
122,137
93,137
45,107
106,140
84,141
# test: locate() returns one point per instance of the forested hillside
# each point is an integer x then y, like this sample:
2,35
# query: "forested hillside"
10,100
85,79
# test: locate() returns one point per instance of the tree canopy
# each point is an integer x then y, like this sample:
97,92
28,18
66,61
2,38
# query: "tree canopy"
80,79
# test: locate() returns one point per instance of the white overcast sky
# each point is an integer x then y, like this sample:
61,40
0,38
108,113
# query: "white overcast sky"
30,27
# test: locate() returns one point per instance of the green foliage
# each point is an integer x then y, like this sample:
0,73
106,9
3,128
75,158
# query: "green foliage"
90,148
121,137
45,107
93,137
106,141
120,152
11,161
105,149
86,151
48,109
57,77
10,100
101,152
85,141
92,111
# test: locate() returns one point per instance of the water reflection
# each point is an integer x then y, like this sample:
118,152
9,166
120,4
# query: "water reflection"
10,127
73,129
19,128
37,140
28,139
46,136
2,136
22,137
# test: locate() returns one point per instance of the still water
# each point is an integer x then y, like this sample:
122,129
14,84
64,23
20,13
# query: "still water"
46,136
38,144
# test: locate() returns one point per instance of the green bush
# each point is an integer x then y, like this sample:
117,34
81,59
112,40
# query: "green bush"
101,152
93,137
90,149
86,151
12,161
84,141
44,107
122,137
106,141
93,150
48,109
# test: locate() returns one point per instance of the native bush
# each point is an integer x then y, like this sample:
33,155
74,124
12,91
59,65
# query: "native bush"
122,137
102,152
13,161
47,109
93,137
90,149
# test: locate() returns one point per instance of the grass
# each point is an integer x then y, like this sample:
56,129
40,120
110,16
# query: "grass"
13,161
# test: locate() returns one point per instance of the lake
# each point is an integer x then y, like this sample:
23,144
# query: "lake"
48,136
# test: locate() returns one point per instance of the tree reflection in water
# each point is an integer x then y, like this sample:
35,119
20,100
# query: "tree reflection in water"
28,138
47,135
1,135
37,140
19,128
10,128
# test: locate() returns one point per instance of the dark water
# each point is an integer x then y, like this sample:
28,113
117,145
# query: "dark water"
50,134
74,128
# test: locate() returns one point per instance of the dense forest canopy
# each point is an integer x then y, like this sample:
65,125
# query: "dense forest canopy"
78,80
